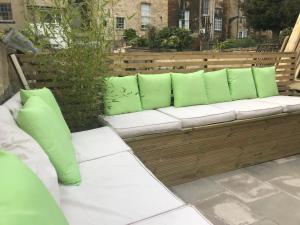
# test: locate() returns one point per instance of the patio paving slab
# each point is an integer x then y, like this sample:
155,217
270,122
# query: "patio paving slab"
281,208
226,209
247,188
265,194
198,190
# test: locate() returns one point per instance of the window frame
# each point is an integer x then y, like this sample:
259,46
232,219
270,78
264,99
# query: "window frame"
205,8
184,19
9,13
117,23
145,17
218,24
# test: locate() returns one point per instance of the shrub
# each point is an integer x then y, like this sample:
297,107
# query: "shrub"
285,32
170,38
130,34
236,43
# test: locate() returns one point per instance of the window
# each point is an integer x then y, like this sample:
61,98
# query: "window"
218,24
205,7
5,12
120,23
145,15
184,19
242,34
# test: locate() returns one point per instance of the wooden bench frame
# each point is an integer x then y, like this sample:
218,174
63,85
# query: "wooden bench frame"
189,154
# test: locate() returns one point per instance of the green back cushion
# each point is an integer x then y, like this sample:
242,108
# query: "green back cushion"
23,197
155,90
265,80
217,88
121,95
241,83
46,95
42,123
189,89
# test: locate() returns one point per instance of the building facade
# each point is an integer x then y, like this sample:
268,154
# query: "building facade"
13,12
212,19
138,15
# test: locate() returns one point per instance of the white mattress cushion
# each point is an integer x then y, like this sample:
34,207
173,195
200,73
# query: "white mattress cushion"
14,105
199,115
142,123
115,190
186,215
15,140
96,143
289,103
250,108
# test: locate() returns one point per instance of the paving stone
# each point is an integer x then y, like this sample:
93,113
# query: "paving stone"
265,222
198,190
225,175
247,187
226,209
289,184
268,171
280,208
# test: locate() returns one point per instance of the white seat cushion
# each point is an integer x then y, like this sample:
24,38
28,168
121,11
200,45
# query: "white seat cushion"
250,108
142,123
289,103
115,190
186,215
14,105
16,141
199,115
96,143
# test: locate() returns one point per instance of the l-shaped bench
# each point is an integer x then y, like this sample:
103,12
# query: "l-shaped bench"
116,188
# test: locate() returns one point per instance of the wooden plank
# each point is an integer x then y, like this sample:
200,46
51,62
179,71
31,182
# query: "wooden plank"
187,155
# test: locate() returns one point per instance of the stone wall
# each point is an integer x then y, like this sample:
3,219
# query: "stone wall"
18,13
131,11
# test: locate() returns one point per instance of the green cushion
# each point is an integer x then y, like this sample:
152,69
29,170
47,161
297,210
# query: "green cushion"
241,83
155,90
217,88
48,97
265,80
121,95
189,89
23,197
43,124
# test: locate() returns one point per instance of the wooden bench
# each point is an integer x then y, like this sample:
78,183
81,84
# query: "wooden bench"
186,155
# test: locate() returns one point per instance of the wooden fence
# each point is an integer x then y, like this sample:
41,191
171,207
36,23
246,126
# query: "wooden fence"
151,63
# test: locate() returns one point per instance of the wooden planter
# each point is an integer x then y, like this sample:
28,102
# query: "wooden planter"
190,154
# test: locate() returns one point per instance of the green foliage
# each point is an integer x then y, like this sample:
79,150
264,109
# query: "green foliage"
170,38
130,34
272,15
235,43
82,32
285,32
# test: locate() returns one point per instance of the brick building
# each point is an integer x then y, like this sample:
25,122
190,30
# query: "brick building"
137,14
214,19
12,12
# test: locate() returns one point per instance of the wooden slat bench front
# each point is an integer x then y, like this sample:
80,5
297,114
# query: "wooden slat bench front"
186,155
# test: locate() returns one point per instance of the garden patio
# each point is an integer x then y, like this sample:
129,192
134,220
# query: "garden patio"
91,137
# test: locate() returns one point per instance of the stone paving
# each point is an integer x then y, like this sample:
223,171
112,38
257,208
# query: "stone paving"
265,194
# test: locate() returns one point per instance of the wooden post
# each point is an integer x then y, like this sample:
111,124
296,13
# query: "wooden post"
4,79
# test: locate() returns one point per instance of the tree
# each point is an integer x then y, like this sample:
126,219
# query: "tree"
272,15
78,66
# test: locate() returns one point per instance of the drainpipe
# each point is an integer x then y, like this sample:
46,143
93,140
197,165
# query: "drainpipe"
200,24
237,20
